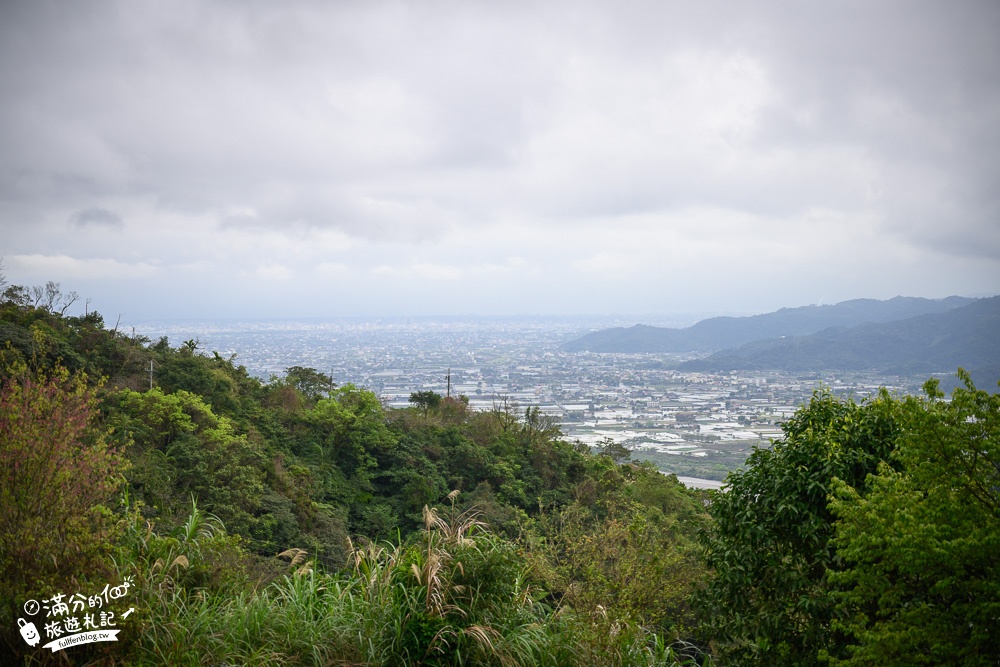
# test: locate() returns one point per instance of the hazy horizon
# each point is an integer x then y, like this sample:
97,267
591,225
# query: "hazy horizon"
589,321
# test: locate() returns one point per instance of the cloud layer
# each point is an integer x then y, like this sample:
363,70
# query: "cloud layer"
259,159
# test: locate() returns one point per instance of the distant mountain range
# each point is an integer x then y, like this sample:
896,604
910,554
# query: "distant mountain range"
906,336
719,333
940,342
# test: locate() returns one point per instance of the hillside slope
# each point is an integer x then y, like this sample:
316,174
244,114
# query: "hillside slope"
968,336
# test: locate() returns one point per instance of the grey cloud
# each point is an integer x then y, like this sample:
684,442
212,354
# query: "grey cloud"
400,123
96,217
914,86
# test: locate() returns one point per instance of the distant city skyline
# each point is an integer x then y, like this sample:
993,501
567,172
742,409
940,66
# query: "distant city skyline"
209,159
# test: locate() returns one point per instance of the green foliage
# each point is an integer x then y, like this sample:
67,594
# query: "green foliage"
312,384
625,550
46,340
426,400
456,594
921,584
189,373
349,431
181,580
460,596
768,601
182,449
57,474
615,451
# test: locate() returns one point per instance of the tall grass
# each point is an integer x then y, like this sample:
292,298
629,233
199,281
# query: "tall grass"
455,595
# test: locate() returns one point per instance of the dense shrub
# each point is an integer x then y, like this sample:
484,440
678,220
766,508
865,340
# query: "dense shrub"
57,474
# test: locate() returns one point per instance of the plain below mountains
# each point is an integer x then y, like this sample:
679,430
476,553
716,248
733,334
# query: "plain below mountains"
904,335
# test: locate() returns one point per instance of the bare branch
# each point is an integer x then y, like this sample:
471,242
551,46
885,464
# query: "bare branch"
68,301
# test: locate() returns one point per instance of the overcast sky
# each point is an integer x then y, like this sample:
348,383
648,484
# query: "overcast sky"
260,159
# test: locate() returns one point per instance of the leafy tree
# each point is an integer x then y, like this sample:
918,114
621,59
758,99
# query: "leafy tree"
348,431
426,400
38,339
465,461
192,373
313,384
454,410
768,601
622,558
921,582
618,452
182,448
57,474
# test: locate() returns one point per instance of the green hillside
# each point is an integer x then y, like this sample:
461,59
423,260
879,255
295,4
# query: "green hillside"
454,536
968,336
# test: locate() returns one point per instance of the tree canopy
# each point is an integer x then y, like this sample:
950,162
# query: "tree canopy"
921,549
768,601
867,535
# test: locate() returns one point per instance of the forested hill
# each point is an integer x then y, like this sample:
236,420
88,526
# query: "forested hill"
230,501
720,333
968,336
